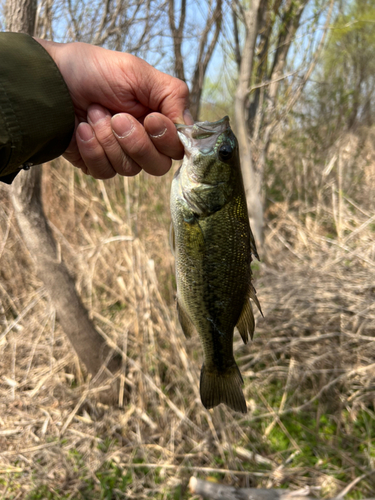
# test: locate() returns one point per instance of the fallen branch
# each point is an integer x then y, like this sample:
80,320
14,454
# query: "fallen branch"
215,491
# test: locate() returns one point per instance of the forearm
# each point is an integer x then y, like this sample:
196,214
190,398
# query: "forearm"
36,110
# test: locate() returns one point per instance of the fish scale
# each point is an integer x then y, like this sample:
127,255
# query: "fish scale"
212,246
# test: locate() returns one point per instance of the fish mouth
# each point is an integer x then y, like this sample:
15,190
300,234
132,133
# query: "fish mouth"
202,136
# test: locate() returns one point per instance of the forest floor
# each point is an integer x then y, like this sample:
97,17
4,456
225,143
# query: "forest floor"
309,372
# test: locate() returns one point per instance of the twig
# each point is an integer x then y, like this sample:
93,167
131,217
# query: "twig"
27,450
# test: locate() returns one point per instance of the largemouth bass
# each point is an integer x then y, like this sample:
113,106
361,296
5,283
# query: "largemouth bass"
213,246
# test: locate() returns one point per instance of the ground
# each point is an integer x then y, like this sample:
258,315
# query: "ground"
309,372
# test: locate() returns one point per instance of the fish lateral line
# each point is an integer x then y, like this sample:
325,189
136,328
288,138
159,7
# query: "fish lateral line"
215,327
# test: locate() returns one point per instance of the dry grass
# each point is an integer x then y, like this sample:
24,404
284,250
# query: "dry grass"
309,373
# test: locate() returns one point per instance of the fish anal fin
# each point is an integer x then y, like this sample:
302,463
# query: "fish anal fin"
253,296
246,323
216,388
186,324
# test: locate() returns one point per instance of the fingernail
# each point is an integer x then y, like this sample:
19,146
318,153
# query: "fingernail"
122,126
94,115
156,127
188,119
85,132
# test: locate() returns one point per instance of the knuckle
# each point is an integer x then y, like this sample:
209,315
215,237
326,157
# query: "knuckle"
179,90
105,138
183,89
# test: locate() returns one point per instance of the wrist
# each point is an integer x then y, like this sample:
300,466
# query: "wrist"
50,47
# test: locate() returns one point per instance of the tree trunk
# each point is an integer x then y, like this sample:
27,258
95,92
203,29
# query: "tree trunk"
87,342
251,179
256,120
89,345
20,16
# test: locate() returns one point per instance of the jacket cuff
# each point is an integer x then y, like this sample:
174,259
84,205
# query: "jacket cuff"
36,110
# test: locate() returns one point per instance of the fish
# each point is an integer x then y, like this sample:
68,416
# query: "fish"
213,247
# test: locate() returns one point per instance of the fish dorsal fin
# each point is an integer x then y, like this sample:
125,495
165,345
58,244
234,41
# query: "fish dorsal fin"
253,247
186,324
246,323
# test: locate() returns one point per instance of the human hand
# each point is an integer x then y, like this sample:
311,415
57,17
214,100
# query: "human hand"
125,111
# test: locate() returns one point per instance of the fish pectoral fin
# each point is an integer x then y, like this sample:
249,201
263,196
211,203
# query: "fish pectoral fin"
186,324
216,388
172,239
196,205
246,323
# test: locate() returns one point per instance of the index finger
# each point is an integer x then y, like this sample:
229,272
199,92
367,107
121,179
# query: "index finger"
167,95
163,134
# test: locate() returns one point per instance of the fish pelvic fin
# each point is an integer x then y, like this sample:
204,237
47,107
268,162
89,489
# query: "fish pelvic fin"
216,388
246,323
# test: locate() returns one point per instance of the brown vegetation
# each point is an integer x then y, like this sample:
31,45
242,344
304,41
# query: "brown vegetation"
309,373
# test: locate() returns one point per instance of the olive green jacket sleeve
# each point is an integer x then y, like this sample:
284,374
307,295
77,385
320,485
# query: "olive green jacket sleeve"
36,110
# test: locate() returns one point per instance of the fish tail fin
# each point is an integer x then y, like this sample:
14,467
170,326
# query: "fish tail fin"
216,388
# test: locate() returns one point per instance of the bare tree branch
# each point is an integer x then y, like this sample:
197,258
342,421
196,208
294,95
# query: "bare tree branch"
237,50
97,38
204,57
297,94
177,34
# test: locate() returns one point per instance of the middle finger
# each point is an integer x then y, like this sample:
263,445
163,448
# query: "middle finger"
100,120
136,144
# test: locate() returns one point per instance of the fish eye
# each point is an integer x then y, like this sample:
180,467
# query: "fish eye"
226,152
